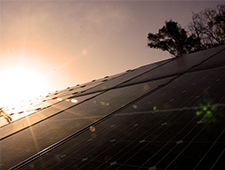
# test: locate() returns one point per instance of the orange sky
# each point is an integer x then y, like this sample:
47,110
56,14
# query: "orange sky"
71,42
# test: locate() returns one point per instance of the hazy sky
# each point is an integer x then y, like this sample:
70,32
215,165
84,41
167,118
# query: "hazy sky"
71,42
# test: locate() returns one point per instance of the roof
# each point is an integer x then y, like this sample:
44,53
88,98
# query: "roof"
165,115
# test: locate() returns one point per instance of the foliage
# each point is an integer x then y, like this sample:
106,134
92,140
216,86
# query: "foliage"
174,39
206,30
209,26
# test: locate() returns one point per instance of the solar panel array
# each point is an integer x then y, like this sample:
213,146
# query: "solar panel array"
166,115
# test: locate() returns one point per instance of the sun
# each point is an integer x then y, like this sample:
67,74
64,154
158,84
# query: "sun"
21,83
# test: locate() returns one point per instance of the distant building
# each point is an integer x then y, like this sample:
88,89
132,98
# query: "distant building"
166,115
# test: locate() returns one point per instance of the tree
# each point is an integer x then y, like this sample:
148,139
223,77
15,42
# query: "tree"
206,30
209,26
174,39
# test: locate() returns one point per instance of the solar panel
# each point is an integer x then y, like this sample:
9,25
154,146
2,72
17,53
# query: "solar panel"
131,74
153,117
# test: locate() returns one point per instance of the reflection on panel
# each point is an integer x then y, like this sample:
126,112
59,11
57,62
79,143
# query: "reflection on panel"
41,115
115,99
27,107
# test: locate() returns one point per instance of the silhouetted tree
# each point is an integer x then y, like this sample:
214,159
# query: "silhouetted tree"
209,26
174,39
206,30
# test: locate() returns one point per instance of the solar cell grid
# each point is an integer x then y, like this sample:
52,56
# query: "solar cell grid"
215,61
219,161
172,148
126,77
69,117
171,123
179,94
80,152
179,65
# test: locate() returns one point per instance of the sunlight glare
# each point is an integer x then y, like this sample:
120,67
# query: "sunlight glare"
21,84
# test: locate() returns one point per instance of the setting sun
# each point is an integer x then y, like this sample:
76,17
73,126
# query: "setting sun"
20,84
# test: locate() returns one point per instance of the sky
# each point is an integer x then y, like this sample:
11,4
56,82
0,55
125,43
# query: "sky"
60,44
